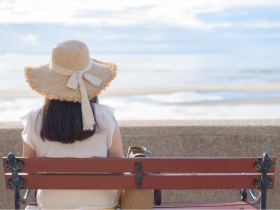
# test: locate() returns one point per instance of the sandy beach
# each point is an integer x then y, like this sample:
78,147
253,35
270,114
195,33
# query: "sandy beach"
269,87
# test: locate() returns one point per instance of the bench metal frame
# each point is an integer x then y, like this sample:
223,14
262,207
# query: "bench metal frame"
262,183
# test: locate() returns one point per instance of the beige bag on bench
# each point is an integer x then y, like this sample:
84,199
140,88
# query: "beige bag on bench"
137,199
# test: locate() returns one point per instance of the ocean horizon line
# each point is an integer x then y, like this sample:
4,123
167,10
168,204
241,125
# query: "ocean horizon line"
119,91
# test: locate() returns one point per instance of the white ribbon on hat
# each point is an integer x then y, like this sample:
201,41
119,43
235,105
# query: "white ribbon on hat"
77,77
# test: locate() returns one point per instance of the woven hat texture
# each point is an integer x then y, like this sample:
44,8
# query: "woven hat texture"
74,55
72,75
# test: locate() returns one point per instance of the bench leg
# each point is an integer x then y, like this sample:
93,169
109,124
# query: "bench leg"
16,182
263,183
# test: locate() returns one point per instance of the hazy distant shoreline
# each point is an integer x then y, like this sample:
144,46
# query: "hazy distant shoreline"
267,87
258,101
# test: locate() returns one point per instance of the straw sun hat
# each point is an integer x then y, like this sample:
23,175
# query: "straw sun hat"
72,75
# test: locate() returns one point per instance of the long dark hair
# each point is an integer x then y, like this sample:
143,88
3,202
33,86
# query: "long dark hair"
62,121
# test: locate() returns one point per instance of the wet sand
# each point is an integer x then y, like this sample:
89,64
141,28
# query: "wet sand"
268,87
274,100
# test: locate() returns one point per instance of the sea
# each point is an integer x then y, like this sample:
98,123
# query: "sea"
164,71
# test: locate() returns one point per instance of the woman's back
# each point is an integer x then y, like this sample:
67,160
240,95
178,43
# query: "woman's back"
69,125
94,146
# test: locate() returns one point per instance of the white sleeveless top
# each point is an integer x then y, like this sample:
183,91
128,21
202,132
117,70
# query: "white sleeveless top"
95,146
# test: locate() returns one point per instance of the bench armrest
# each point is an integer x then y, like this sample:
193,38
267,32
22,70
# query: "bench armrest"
27,195
254,197
25,198
157,197
243,195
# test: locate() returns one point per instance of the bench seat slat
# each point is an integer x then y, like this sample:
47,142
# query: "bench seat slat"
152,165
207,205
189,205
155,181
231,205
203,204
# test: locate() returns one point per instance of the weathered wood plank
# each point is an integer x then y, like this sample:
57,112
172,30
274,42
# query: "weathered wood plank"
197,205
127,181
149,165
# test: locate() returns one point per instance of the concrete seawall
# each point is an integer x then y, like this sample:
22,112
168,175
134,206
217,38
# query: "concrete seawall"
180,138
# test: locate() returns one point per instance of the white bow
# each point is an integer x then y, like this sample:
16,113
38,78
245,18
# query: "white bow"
76,77
73,81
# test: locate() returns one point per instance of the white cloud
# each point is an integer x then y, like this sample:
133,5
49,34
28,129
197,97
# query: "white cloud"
135,47
261,24
250,36
30,39
116,36
180,13
153,37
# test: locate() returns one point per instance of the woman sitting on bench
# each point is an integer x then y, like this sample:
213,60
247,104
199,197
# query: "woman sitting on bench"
69,124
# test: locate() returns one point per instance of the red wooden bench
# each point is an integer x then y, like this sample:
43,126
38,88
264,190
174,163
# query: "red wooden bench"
176,173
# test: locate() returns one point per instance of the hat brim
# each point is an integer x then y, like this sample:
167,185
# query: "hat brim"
53,86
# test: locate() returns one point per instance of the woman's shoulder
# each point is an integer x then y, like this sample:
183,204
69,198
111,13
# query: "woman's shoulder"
103,109
34,113
31,119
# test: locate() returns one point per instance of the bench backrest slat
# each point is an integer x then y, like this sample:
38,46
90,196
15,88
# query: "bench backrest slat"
150,181
150,165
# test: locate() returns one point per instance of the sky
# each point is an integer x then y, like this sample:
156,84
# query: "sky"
142,27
